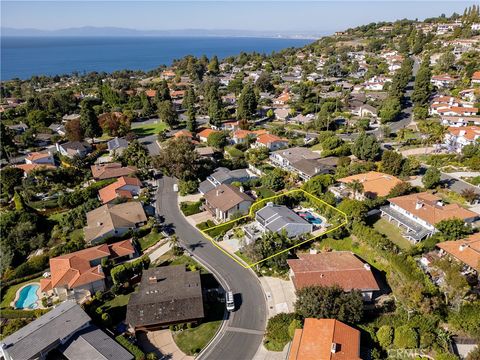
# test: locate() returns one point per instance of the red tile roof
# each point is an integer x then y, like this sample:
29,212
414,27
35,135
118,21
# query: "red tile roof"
476,75
205,133
269,139
112,191
325,339
466,250
185,133
75,269
340,268
111,170
28,168
374,182
468,132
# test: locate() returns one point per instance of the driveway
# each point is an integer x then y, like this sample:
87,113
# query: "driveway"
280,295
241,337
161,343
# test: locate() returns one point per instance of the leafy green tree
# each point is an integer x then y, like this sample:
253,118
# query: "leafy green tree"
162,93
385,336
10,177
356,187
88,119
453,229
167,113
213,66
274,180
446,62
137,155
247,103
271,243
277,335
322,302
178,158
392,162
467,318
319,184
37,119
366,147
405,337
264,82
431,178
217,139
355,210
186,187
189,103
422,87
7,146
390,110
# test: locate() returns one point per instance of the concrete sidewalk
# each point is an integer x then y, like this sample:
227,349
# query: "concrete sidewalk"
154,255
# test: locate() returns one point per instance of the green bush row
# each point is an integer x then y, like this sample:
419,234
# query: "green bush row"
134,349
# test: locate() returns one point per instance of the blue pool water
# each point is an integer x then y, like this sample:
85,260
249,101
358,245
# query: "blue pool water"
310,218
28,298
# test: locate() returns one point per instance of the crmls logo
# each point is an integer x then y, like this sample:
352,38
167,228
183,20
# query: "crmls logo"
403,354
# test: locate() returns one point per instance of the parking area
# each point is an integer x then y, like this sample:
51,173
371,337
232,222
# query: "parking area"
280,295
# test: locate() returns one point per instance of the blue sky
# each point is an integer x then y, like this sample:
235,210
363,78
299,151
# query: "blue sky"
315,16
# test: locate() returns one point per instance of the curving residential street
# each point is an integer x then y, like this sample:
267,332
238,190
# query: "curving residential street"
242,334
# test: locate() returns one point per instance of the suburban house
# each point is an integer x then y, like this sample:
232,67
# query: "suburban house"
460,121
476,77
205,133
443,80
224,176
282,114
167,295
28,168
376,83
457,137
117,145
66,328
283,98
124,187
277,218
467,251
58,129
342,268
419,213
19,128
40,158
244,136
80,273
271,142
111,170
456,111
303,162
74,148
113,220
183,133
375,184
364,110
226,200
325,339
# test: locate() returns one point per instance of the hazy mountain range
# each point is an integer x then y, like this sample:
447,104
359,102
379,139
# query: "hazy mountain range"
115,31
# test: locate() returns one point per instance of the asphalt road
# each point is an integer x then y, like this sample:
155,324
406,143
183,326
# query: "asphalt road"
243,333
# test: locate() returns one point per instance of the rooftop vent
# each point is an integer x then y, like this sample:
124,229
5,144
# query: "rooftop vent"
152,279
367,266
334,348
418,205
463,247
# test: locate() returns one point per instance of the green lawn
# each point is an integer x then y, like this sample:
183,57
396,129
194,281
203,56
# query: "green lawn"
117,307
392,232
316,147
263,192
243,257
149,240
9,294
190,208
191,341
149,129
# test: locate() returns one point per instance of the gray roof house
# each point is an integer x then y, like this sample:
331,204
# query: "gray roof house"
166,295
117,145
74,148
303,162
58,128
223,175
54,330
276,218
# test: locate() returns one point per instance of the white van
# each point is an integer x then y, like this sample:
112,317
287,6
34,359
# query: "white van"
229,301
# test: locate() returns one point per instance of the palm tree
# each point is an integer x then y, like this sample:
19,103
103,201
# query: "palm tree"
175,244
356,187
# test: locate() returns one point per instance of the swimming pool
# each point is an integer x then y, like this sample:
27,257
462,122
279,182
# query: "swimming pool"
310,218
27,299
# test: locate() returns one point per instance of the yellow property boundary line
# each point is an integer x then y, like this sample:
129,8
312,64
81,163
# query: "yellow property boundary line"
251,216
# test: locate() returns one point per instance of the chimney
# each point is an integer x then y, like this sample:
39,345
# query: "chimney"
241,189
463,247
334,348
418,205
367,266
152,279
313,251
99,268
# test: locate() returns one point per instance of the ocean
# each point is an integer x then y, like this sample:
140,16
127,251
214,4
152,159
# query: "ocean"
23,57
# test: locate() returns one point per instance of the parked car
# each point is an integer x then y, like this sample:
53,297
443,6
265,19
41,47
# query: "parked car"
229,301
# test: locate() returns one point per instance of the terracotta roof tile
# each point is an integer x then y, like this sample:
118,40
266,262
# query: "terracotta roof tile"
374,182
466,250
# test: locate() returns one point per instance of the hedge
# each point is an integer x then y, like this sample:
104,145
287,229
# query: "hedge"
126,271
23,314
134,349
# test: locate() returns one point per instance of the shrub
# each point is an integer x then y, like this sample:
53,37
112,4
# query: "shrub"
277,335
385,336
126,271
187,187
190,208
405,337
294,325
134,349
